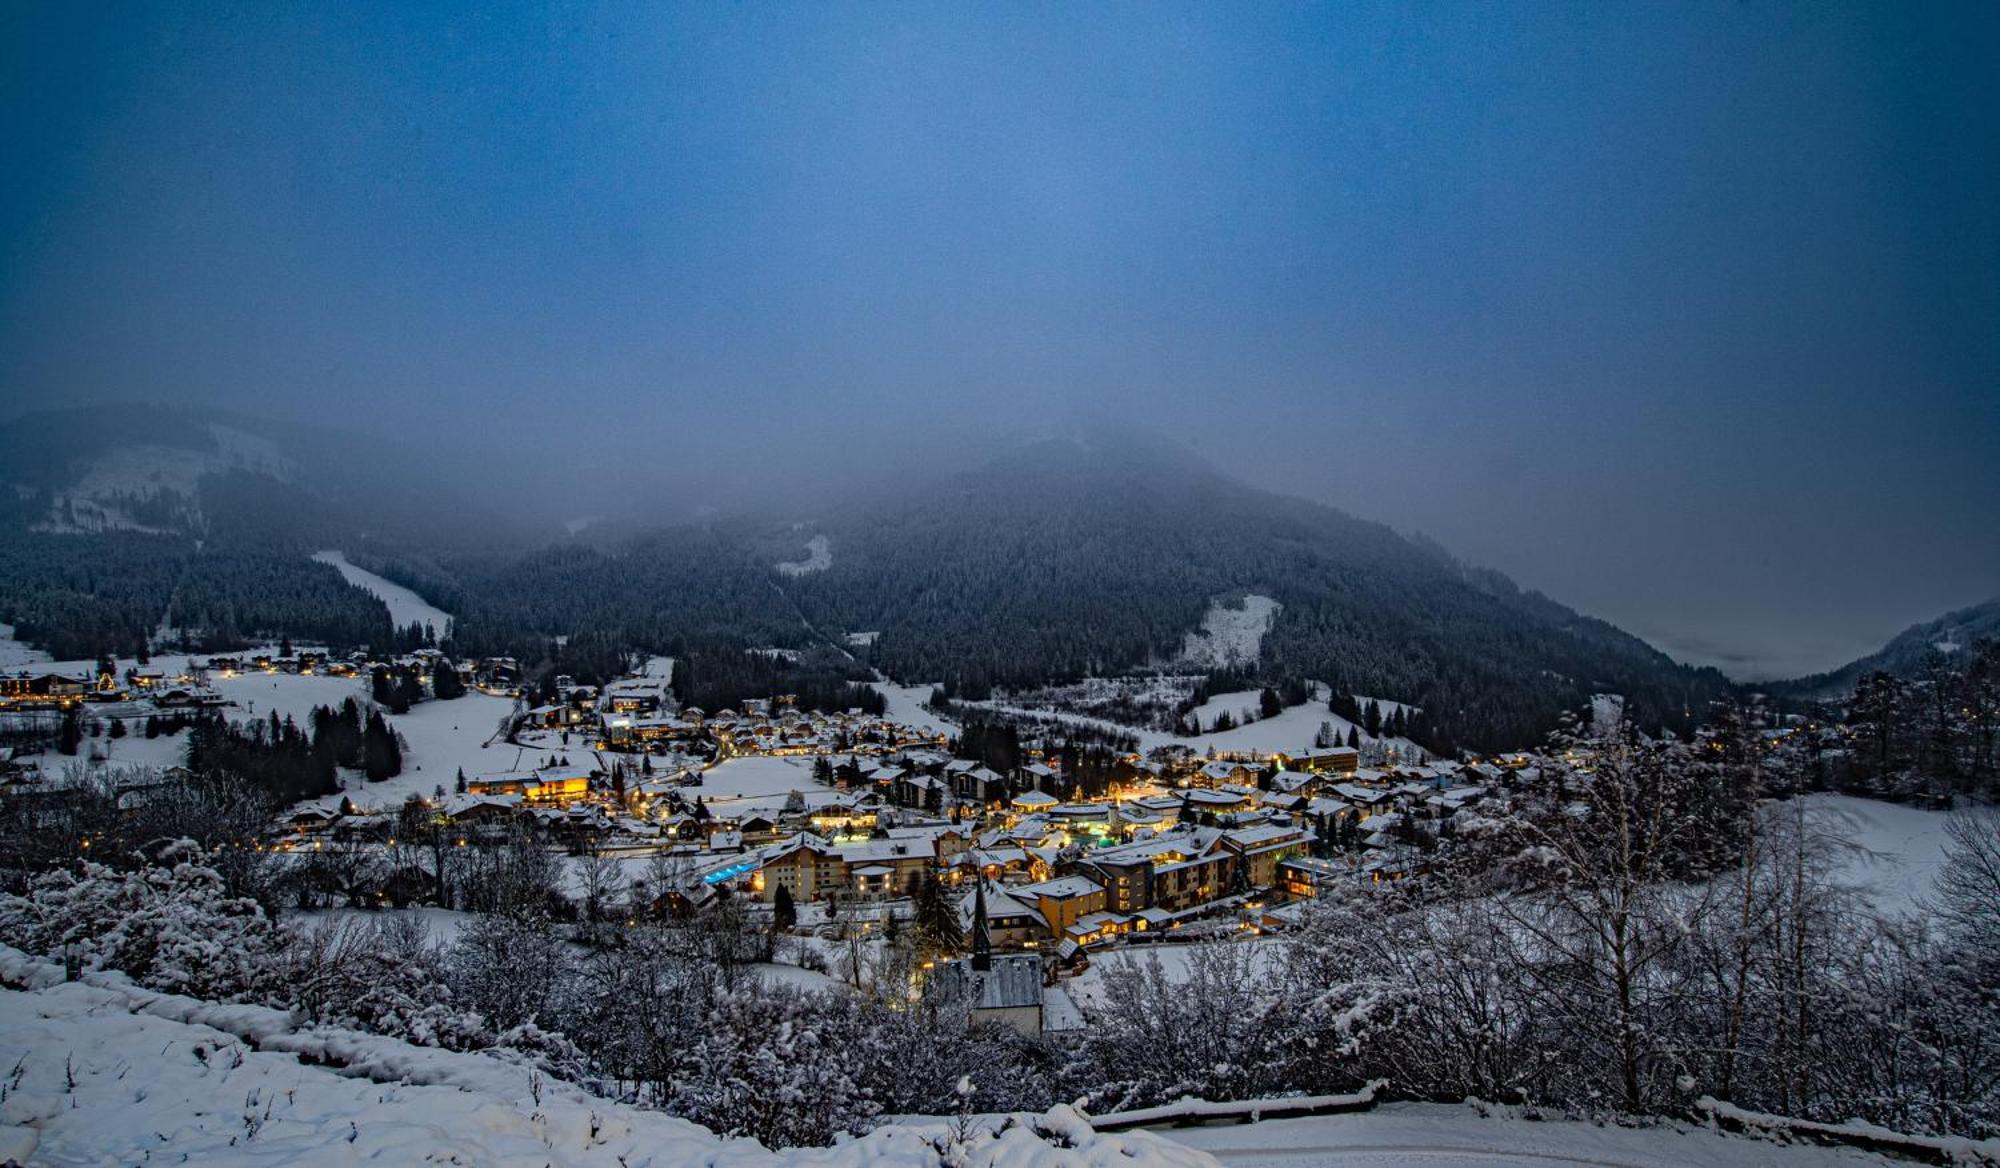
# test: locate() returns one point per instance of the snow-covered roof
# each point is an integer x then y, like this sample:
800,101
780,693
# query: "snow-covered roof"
1062,888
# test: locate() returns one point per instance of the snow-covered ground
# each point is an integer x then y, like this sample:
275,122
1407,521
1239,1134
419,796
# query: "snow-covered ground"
905,704
442,738
740,786
819,557
1890,851
95,501
442,924
1231,633
102,1073
14,655
406,608
1293,731
1418,1135
1087,990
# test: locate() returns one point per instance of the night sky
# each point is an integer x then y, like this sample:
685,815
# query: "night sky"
1687,314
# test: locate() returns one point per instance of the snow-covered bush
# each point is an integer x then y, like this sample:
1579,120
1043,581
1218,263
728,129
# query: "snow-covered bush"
170,926
778,1065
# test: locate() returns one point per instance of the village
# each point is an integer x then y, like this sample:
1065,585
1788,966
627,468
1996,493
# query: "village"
830,822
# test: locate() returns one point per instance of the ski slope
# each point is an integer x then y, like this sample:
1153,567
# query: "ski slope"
406,608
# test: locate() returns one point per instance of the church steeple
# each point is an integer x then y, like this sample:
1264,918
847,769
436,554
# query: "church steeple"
982,937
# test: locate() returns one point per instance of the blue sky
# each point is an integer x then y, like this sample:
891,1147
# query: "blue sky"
1688,314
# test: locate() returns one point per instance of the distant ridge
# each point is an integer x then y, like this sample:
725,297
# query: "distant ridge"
1951,634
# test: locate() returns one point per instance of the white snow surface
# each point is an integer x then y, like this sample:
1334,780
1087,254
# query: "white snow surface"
1420,1135
15,655
1891,852
1231,633
406,608
819,557
93,503
112,1074
740,786
1293,731
443,737
904,704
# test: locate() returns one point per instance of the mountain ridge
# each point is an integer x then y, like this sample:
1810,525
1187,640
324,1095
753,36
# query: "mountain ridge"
1949,634
1090,552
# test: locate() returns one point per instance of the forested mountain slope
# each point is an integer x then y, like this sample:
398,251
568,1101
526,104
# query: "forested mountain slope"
1056,559
116,521
1070,558
1951,635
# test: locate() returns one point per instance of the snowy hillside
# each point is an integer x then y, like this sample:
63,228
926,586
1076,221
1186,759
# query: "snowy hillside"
819,557
102,1072
1231,634
406,608
155,488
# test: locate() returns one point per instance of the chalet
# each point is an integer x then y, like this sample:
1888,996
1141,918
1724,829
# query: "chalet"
311,817
977,784
636,695
997,863
1064,901
1033,802
757,830
1332,760
805,865
1305,878
43,689
1095,818
547,785
1219,773
847,812
1366,800
1173,871
920,790
1260,850
480,810
1011,922
1230,798
880,869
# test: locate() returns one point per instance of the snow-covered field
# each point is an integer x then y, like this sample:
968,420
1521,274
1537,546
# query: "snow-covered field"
102,1073
1418,1135
444,737
406,608
1890,851
742,785
819,557
1231,633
